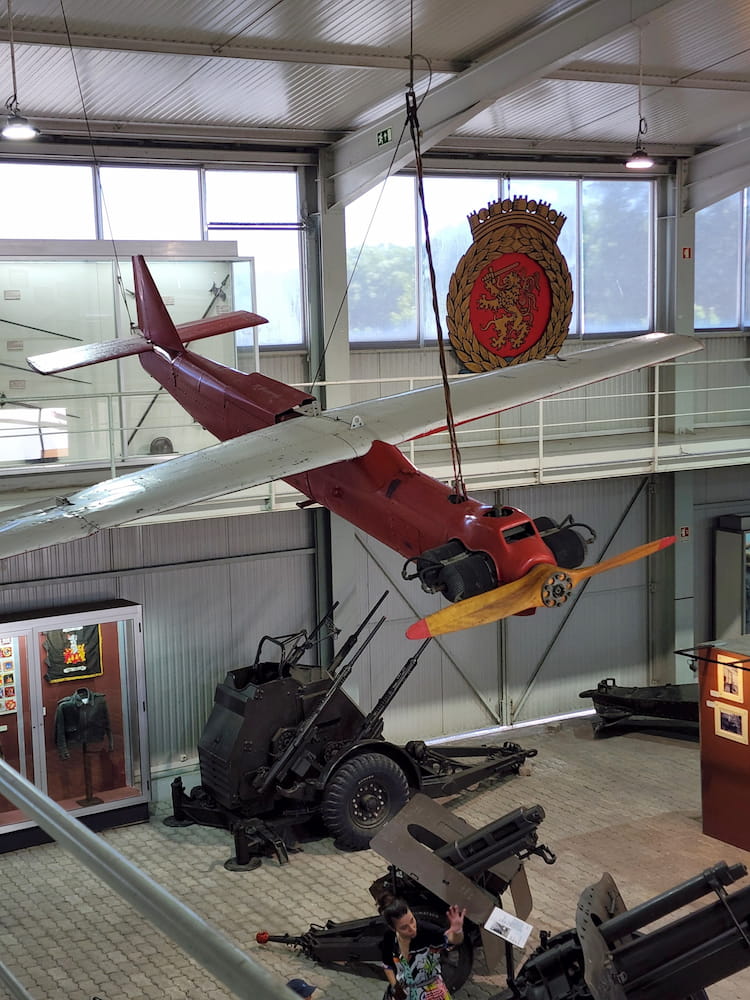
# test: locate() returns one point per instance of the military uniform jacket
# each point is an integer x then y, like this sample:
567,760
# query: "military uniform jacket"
82,717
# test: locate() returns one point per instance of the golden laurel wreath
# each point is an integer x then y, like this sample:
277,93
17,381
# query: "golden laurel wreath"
504,235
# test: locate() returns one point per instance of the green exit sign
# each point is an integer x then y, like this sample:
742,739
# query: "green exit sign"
385,136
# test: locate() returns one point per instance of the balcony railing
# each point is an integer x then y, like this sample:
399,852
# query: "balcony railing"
680,415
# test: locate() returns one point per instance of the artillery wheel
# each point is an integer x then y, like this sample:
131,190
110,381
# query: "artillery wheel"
455,965
360,798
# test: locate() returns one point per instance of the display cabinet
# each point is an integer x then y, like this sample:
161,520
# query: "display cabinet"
724,688
732,576
73,714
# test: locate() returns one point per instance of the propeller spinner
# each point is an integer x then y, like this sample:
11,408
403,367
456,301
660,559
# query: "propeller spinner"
543,586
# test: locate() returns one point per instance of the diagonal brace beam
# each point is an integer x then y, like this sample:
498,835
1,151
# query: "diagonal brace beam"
355,163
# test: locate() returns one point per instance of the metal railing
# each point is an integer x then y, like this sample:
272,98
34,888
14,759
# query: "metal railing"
656,423
205,944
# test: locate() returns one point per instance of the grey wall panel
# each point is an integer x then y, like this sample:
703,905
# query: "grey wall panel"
605,634
290,367
209,589
607,630
717,492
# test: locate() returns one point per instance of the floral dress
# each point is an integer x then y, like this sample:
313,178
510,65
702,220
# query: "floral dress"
419,976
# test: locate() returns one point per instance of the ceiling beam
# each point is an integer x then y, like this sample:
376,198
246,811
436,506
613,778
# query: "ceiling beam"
357,162
632,79
716,174
353,58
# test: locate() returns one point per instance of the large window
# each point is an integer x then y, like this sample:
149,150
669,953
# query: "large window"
257,208
47,201
721,262
150,203
607,242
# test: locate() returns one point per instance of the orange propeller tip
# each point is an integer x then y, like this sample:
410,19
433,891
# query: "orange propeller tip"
668,540
419,630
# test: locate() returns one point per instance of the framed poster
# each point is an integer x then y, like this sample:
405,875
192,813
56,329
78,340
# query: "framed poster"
729,682
730,722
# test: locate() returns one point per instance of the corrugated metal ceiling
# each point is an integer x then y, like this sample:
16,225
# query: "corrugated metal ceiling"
326,68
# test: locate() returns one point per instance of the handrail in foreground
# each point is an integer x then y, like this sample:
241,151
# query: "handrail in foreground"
204,943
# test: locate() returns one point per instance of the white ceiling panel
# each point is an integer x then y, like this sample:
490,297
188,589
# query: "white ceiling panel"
328,69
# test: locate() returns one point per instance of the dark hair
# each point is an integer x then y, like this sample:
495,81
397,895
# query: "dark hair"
391,908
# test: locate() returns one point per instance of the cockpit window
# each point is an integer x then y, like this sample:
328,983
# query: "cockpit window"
519,531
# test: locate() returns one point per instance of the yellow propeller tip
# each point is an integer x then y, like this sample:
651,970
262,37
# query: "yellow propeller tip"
419,630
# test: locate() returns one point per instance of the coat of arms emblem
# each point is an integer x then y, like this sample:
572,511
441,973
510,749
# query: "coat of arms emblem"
510,297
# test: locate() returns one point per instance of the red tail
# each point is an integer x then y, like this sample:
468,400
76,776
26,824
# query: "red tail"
153,318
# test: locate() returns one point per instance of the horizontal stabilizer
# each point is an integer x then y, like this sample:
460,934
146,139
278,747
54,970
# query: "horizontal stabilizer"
201,328
111,350
87,354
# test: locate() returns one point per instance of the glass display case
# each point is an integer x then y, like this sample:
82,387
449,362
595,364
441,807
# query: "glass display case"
732,576
73,714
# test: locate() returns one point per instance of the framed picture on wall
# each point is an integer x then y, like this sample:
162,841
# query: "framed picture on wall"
730,722
729,682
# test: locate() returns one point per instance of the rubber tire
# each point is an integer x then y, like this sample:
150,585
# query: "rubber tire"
456,966
343,814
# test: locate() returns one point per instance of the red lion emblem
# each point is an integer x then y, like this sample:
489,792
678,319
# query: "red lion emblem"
510,304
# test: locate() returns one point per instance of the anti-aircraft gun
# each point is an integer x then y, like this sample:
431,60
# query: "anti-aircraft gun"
285,743
609,956
438,859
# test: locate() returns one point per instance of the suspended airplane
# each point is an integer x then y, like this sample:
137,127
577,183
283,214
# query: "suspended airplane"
488,561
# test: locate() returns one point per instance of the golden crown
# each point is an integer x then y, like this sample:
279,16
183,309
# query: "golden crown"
519,210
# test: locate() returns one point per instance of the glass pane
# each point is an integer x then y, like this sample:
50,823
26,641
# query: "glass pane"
251,196
616,256
381,263
91,748
449,201
146,203
47,201
278,284
717,259
562,195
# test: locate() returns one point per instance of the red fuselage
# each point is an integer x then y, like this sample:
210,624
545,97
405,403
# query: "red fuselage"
382,492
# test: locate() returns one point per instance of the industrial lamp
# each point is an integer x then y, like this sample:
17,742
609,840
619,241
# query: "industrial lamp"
16,126
640,160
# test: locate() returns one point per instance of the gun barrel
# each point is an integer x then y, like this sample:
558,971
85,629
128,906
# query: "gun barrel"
498,840
689,954
667,902
349,643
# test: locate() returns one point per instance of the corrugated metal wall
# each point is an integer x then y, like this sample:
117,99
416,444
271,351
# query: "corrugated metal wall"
552,657
525,668
716,492
209,589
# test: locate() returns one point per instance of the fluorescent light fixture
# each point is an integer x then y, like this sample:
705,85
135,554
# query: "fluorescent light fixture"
18,127
639,160
494,730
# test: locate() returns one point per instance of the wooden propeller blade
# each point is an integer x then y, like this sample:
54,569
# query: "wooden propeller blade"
622,560
544,585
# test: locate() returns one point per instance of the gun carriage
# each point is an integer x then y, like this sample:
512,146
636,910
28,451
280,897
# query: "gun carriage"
285,743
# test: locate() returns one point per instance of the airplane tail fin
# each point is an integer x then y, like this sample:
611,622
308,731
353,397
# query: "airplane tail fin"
156,325
153,318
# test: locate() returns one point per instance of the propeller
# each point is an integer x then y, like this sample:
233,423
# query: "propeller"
543,586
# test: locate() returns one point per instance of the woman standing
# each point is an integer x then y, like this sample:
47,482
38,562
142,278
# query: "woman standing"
411,952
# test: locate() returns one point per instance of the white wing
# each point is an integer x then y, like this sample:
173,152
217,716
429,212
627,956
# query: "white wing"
310,442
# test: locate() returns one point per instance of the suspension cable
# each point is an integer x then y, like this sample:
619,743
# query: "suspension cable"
459,486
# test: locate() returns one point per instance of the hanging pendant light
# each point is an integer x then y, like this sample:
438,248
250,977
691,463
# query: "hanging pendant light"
16,126
639,159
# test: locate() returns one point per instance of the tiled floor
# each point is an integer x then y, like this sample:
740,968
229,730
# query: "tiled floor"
629,805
